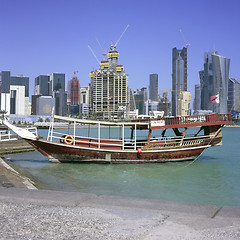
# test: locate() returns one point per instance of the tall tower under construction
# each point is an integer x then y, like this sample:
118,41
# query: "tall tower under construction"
110,88
75,88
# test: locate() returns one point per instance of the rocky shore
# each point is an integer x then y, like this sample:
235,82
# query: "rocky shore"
28,213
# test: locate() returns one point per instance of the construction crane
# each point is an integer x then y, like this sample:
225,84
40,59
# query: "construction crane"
115,45
104,52
94,54
184,39
74,72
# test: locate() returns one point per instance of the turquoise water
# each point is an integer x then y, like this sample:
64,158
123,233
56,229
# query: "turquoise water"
214,178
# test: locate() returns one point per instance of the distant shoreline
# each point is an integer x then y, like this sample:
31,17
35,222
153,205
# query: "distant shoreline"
234,125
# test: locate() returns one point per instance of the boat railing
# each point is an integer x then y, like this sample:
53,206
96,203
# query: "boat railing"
127,144
177,141
32,130
7,135
181,121
89,141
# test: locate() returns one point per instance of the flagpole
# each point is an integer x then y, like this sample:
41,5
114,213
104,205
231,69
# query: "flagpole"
219,103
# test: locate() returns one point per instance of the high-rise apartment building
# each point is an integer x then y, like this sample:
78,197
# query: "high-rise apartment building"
179,76
110,89
215,81
153,87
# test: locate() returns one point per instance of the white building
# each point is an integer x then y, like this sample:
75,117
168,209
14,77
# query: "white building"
84,100
14,93
184,102
18,102
5,102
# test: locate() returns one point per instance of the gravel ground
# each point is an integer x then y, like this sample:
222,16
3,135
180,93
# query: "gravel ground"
34,221
28,221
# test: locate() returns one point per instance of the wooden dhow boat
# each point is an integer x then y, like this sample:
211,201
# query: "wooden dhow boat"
191,136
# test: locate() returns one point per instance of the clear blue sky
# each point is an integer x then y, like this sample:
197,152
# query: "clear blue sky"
41,37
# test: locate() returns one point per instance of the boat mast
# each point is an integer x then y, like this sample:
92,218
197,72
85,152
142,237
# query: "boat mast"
149,135
98,135
135,144
123,136
50,130
74,131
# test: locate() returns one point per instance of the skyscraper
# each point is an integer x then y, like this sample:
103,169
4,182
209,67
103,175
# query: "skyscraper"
57,90
42,85
179,76
197,99
201,76
110,89
233,95
215,81
60,102
57,81
153,87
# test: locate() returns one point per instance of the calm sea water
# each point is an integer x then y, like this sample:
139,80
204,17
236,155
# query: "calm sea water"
214,178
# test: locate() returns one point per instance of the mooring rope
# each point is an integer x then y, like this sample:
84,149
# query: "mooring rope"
217,132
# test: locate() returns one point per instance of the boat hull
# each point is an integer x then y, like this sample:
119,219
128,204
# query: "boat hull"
59,152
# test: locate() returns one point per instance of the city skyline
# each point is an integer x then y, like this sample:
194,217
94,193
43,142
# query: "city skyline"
52,36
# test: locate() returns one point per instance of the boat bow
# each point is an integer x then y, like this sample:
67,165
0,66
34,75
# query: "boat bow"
21,132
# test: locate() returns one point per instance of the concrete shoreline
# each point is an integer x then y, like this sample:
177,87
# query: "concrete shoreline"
15,146
46,214
9,177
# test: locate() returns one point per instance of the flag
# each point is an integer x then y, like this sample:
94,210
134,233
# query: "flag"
215,99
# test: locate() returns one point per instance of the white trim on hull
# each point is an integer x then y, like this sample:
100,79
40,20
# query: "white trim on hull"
127,161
